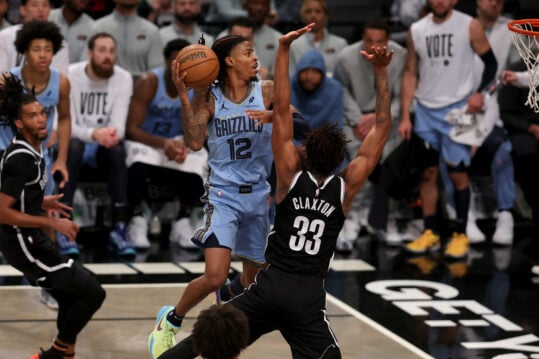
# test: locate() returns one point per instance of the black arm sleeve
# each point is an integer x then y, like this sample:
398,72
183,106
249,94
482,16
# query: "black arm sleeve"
489,72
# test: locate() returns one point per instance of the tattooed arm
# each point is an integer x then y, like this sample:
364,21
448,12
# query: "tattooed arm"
195,114
371,149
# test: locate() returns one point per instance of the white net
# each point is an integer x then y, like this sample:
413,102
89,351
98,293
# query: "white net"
528,48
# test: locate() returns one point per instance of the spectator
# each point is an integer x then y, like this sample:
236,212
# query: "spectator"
226,10
266,39
353,71
139,48
4,5
490,138
156,151
439,75
100,94
185,26
24,243
220,332
160,12
320,39
522,123
237,192
75,25
318,98
30,10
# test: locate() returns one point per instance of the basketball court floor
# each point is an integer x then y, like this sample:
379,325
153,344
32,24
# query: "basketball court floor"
381,304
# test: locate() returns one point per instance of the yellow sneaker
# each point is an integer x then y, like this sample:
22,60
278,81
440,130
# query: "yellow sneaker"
162,337
458,246
428,240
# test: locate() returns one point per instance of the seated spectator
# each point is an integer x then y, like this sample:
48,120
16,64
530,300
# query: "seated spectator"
522,123
319,98
266,38
320,39
138,49
100,94
185,26
156,150
4,24
76,26
353,71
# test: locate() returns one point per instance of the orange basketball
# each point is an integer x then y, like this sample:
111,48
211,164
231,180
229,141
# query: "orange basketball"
200,63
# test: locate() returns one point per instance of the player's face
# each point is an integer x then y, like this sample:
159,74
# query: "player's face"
310,79
441,8
32,122
39,55
490,9
373,38
36,10
244,60
312,11
247,32
103,57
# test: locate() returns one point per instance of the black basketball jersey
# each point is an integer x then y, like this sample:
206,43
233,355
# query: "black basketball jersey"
23,177
307,223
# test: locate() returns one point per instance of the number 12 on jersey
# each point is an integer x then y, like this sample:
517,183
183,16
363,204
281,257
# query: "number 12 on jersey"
239,148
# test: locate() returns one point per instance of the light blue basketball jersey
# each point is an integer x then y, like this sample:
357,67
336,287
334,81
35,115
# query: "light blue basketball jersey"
164,115
240,151
48,98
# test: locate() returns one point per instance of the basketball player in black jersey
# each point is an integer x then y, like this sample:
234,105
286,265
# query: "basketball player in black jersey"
22,239
312,204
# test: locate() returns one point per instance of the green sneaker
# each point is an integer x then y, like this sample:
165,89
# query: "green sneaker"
162,337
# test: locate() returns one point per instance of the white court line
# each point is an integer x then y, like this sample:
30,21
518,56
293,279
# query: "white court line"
382,330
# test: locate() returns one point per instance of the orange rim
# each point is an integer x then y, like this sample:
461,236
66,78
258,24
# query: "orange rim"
533,22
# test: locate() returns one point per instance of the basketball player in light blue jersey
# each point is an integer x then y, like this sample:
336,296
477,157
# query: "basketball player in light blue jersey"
39,41
156,151
237,191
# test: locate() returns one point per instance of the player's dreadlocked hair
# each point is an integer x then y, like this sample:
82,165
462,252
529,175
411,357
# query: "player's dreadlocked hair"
325,148
12,97
222,48
38,30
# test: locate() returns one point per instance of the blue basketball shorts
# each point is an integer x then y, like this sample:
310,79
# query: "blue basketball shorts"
431,126
237,216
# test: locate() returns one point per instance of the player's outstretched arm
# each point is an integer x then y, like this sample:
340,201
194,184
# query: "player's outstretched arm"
195,115
287,161
371,149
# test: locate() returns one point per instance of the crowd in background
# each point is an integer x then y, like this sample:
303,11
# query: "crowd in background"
125,114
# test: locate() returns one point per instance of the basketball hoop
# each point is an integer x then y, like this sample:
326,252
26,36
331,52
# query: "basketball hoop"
525,36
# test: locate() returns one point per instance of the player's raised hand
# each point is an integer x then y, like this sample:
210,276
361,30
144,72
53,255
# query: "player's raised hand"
288,38
178,78
378,56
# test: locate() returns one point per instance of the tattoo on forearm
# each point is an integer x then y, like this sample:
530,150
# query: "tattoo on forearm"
383,101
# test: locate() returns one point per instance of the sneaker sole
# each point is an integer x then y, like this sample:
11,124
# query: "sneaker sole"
431,249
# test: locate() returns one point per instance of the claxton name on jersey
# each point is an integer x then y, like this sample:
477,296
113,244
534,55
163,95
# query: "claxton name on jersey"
314,204
232,125
193,56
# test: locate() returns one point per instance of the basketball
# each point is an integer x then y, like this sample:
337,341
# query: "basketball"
200,63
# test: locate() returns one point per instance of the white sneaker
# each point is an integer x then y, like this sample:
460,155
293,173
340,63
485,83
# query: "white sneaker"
48,300
351,228
343,244
181,233
414,229
504,229
137,231
393,237
535,270
473,232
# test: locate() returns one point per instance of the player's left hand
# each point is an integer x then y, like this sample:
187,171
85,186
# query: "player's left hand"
260,116
288,38
50,203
